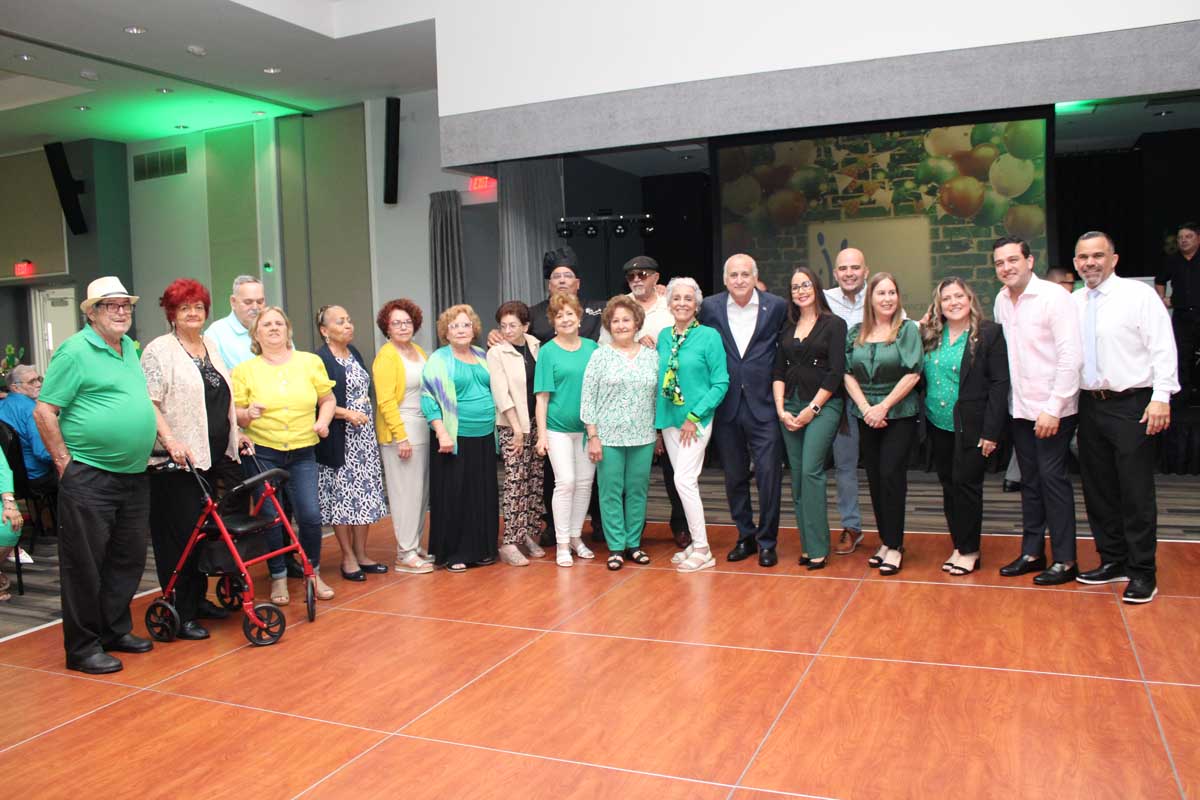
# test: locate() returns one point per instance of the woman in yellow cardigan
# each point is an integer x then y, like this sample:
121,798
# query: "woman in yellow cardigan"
402,430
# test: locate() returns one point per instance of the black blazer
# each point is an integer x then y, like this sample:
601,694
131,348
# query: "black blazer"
982,408
750,376
819,362
331,451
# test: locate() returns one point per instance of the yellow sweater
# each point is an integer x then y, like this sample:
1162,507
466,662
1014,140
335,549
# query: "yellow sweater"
388,373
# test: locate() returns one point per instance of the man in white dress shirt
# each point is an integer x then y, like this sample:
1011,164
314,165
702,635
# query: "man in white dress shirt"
1129,374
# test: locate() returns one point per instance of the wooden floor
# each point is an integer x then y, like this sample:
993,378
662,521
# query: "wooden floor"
584,683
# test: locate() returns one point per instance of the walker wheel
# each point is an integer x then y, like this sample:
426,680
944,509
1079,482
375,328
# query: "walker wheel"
229,592
162,621
310,598
275,624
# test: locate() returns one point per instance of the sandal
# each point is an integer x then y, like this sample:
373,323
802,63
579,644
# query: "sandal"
638,556
874,561
697,560
615,561
563,556
535,550
949,563
815,564
456,567
960,569
683,554
322,589
279,592
890,568
580,549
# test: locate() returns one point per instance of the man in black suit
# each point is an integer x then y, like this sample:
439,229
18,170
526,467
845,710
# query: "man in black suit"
749,322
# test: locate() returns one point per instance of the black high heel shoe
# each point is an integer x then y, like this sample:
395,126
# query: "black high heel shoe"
814,564
887,569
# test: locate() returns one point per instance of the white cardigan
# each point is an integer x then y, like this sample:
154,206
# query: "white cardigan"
507,368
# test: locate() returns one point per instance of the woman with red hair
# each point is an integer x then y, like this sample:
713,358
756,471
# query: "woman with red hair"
189,385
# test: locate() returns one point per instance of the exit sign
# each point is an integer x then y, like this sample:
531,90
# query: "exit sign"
24,269
481,183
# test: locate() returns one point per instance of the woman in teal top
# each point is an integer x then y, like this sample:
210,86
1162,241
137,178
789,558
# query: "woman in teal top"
456,398
692,380
10,523
558,383
618,413
883,366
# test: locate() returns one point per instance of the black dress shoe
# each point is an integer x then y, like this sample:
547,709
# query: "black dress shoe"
357,576
767,557
294,570
210,610
96,664
1058,573
1140,590
1111,572
546,537
1022,565
129,644
192,631
682,538
1011,486
373,569
742,550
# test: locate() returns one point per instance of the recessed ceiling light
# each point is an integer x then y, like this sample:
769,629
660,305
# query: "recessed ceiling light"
181,127
685,158
24,57
197,50
260,113
272,70
134,30
88,75
1165,113
83,108
164,90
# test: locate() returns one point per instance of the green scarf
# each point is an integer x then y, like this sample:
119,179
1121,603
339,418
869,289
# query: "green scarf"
670,385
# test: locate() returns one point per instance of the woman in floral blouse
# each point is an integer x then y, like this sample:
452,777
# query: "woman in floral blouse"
617,410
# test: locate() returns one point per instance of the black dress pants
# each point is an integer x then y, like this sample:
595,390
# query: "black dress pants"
885,454
678,518
960,470
737,440
102,521
1047,499
1186,325
1116,459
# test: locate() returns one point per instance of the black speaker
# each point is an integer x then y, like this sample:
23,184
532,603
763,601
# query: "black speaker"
68,188
391,152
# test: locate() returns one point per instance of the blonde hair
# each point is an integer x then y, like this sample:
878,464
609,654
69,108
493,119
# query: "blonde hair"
254,345
931,332
869,322
446,317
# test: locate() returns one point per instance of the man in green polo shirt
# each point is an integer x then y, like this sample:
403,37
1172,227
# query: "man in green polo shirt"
96,419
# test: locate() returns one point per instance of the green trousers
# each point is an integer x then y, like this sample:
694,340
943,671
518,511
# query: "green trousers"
624,476
806,451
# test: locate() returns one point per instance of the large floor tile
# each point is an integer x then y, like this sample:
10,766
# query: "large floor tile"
1070,632
1167,636
154,745
374,670
772,612
1178,567
868,729
672,709
36,701
448,770
1179,711
537,596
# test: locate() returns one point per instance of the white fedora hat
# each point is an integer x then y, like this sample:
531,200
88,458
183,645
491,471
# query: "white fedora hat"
102,289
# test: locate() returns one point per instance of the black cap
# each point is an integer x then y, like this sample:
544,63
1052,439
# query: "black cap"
641,262
558,257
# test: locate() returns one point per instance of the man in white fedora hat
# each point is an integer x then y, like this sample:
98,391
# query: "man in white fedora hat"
98,424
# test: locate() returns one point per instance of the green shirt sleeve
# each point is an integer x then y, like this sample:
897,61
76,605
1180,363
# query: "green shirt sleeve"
543,373
908,342
851,335
718,378
63,379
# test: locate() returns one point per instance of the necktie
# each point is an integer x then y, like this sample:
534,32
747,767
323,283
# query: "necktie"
1091,375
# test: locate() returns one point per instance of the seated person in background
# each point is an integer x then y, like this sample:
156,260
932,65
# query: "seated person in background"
24,386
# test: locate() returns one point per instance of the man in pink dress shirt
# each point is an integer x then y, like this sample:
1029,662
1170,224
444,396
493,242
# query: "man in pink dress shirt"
1044,358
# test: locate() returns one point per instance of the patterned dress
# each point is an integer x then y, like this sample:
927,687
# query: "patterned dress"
353,494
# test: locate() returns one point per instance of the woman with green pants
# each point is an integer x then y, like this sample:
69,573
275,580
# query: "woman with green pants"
808,399
617,409
10,520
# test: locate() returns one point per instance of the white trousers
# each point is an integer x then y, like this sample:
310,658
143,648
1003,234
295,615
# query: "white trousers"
687,463
573,473
407,482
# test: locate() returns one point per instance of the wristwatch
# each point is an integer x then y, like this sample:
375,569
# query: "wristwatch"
816,409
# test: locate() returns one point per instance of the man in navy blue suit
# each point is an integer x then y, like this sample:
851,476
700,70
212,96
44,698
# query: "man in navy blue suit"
749,322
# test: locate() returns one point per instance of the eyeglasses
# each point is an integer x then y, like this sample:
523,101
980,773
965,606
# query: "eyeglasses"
400,323
460,326
802,286
510,326
113,308
38,379
638,274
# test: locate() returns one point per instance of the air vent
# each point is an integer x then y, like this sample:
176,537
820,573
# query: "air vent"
160,164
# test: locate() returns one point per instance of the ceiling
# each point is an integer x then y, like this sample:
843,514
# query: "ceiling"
223,87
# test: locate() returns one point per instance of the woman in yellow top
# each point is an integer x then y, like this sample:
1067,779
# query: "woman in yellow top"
284,401
402,430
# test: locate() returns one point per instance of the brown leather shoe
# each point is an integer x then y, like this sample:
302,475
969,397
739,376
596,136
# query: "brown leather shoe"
848,542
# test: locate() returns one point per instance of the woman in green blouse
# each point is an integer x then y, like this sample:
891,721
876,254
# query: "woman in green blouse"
693,377
617,410
966,405
883,366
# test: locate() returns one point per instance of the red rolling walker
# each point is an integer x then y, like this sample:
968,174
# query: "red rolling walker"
228,541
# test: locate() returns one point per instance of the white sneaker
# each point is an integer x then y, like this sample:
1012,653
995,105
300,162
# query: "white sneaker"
563,556
25,557
697,561
683,555
580,549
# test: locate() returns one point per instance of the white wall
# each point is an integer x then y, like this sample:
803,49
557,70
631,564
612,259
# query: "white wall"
168,222
400,233
494,55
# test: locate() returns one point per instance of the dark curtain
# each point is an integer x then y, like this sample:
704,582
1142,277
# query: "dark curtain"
446,249
1102,191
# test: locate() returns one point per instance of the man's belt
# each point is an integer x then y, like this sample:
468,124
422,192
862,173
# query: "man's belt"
1109,394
